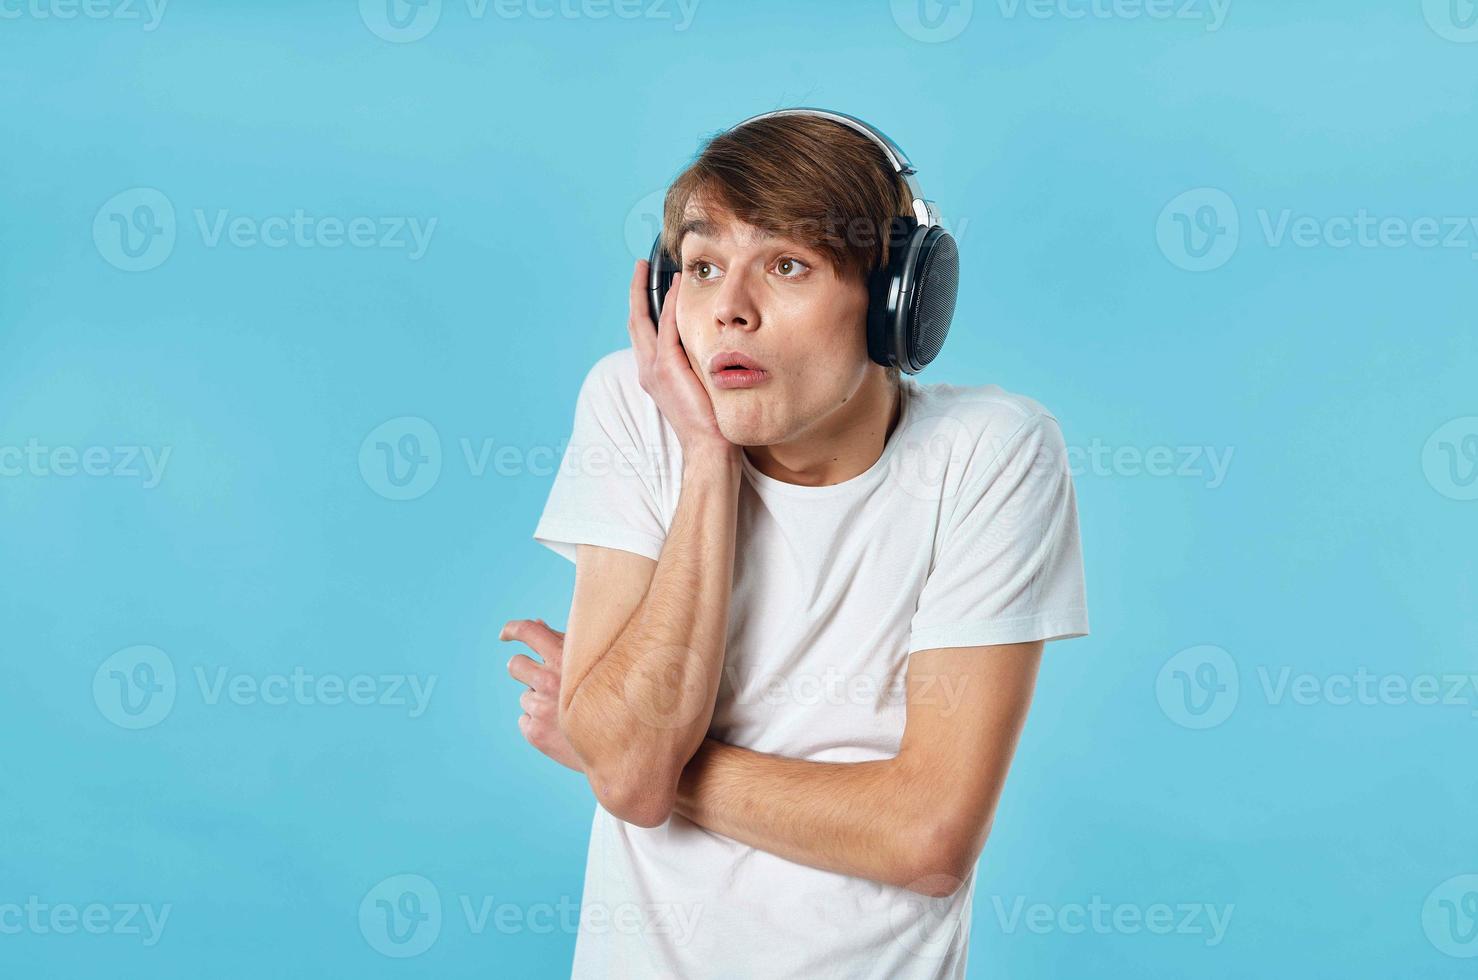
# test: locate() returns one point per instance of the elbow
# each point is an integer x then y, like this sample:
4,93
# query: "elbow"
939,861
637,798
640,803
630,789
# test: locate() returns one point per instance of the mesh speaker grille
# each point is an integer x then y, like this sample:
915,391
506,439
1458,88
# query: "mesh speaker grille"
939,281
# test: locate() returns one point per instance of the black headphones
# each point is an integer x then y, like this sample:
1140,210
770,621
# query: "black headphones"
911,299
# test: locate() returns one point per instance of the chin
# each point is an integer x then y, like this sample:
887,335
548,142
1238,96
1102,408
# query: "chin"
741,435
743,430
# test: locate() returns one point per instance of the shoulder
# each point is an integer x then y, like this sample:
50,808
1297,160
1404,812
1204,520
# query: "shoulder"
614,374
980,423
612,392
612,387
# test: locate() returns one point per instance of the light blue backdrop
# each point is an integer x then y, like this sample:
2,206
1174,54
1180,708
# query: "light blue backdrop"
250,679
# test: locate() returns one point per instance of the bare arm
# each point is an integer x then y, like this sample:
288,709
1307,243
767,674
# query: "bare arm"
635,706
918,820
646,644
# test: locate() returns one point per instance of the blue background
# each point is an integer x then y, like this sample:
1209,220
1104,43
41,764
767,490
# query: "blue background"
1340,537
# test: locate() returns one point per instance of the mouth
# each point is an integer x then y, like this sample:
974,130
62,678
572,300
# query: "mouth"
731,369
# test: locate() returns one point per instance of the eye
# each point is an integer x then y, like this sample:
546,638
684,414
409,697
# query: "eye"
791,268
702,270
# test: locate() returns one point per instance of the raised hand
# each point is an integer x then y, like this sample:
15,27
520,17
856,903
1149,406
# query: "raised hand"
666,372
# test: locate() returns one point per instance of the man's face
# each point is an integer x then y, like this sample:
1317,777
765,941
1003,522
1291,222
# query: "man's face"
781,304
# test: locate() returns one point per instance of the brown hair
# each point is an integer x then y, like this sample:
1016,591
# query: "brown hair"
805,178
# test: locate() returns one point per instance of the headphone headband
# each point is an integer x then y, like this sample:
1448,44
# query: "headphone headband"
923,210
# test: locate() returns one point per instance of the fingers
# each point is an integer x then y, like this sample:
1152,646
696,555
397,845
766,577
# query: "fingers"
536,676
667,336
639,317
536,705
547,642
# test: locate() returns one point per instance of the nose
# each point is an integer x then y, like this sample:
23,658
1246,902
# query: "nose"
735,305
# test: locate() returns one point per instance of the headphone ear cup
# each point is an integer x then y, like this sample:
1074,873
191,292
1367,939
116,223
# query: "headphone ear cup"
934,268
886,290
911,300
659,279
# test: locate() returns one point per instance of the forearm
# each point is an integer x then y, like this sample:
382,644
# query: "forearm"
879,820
642,709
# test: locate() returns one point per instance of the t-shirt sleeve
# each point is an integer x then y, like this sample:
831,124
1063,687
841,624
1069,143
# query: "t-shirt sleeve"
608,489
1010,568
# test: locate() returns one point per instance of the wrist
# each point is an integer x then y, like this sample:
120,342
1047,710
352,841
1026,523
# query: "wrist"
720,459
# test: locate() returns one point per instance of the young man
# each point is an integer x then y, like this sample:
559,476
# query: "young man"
810,597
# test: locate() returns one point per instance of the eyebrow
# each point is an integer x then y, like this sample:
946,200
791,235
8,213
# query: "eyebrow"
707,228
696,226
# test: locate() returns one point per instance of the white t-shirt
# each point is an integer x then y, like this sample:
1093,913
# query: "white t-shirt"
963,533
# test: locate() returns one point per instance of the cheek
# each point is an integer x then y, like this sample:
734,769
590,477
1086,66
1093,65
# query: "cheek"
690,313
834,325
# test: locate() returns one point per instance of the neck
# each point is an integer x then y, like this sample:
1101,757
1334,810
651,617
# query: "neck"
840,446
